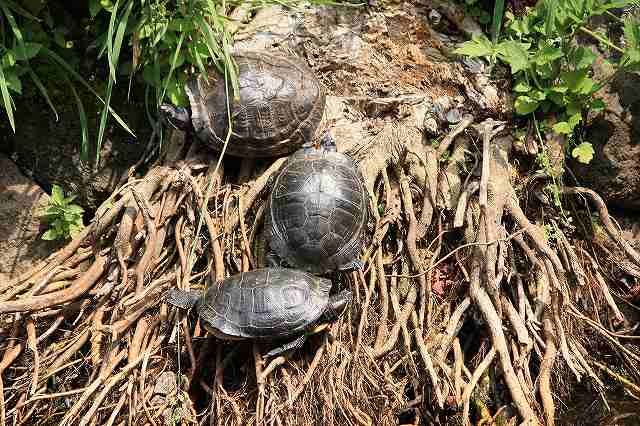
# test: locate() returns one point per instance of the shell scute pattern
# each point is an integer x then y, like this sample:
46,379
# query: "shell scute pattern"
265,303
318,211
281,104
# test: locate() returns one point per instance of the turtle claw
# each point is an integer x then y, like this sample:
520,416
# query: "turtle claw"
294,344
354,265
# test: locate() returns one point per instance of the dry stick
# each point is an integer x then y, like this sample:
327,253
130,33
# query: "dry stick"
604,288
517,322
114,380
457,369
401,323
150,241
545,371
615,234
477,374
452,328
71,350
79,287
431,268
487,215
384,302
461,207
257,358
249,197
104,374
31,344
187,340
245,240
52,328
308,375
213,232
482,300
425,290
426,358
96,334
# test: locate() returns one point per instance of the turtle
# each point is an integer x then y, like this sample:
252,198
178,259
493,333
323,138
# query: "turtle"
266,304
280,106
317,211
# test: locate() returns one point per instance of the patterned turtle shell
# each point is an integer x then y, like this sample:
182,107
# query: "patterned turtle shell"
318,211
264,303
280,106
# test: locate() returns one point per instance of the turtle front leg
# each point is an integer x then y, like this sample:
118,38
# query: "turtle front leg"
294,344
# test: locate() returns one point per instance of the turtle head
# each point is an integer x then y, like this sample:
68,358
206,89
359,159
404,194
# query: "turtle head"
337,304
178,117
183,299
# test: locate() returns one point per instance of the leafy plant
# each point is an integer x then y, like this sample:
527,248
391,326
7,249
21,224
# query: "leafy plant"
64,219
551,73
31,36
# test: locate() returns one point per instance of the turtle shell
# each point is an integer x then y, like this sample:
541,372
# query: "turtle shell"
280,106
318,210
264,303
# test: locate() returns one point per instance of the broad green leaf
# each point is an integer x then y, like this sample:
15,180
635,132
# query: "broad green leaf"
50,234
537,95
548,55
581,57
574,79
632,42
57,194
13,82
574,120
9,59
562,127
522,87
477,46
75,209
583,152
574,108
515,54
559,89
525,105
94,7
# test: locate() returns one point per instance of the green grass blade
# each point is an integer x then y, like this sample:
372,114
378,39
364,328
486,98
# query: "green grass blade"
84,147
112,21
15,29
103,119
8,104
42,89
173,66
498,14
78,77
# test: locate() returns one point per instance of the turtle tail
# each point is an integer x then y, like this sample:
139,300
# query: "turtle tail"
182,298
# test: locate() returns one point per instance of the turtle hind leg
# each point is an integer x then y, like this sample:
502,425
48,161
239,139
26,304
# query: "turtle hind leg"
294,344
182,298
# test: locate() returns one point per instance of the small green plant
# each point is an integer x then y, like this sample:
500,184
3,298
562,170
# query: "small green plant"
551,73
63,218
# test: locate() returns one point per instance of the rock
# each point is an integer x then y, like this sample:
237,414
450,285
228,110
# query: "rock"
20,244
614,171
48,151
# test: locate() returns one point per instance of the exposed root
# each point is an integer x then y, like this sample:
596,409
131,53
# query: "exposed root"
463,300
